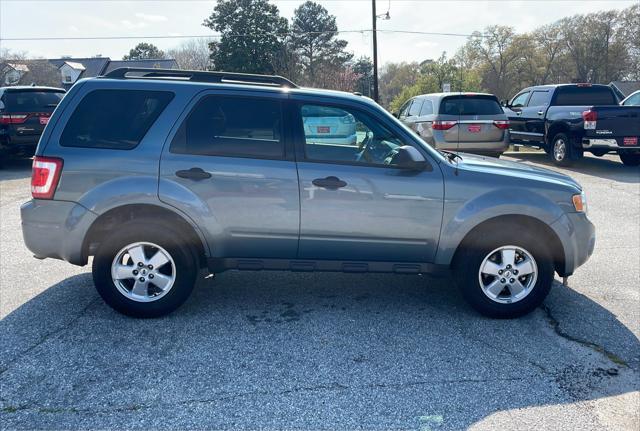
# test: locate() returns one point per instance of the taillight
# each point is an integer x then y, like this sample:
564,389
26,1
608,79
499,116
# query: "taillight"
501,124
590,118
45,175
443,125
13,118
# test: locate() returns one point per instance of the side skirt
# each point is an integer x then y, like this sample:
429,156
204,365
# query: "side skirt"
217,265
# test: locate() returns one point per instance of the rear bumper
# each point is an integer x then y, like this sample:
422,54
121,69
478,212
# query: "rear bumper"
56,229
610,144
578,237
477,147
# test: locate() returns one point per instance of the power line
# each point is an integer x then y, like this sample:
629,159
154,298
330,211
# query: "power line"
217,36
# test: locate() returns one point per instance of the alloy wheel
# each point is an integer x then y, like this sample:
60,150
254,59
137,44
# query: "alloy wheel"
508,274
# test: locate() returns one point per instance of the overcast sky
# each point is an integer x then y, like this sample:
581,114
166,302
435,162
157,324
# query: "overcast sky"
142,18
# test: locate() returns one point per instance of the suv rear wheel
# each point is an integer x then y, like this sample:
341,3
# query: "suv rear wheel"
142,271
506,276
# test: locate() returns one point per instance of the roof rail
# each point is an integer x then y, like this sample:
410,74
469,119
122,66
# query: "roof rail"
199,76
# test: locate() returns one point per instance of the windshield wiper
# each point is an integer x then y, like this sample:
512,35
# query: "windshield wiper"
451,155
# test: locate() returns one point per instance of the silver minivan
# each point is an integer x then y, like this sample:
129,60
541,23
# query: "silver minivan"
467,122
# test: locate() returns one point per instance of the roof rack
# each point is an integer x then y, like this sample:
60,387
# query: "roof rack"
199,76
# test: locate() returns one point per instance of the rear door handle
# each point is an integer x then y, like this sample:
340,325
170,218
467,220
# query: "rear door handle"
193,174
540,112
331,183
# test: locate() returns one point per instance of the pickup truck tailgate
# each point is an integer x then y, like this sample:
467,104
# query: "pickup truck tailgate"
621,123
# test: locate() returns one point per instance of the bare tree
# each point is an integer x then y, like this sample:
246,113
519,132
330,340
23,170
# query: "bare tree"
193,54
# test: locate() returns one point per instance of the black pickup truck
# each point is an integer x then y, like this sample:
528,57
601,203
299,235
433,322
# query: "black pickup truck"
568,119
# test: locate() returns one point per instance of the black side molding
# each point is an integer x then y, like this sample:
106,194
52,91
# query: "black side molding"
217,265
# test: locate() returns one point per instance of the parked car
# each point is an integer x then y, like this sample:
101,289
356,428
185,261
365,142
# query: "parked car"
568,119
632,100
327,125
468,122
24,112
160,175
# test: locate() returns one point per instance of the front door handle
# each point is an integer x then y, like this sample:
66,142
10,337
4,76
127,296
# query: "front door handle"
519,113
540,112
331,183
193,174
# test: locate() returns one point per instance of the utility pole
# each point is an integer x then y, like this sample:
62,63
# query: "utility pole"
375,51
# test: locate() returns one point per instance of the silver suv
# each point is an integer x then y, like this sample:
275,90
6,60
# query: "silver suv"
468,122
157,174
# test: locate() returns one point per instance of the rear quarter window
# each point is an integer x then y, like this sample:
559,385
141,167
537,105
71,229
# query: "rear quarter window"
583,96
470,105
114,119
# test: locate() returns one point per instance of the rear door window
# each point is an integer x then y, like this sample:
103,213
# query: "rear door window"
32,100
470,105
114,119
427,108
539,98
582,96
232,127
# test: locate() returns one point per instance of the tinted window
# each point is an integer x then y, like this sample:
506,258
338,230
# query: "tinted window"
427,108
519,100
469,105
581,96
115,119
415,108
31,100
228,126
539,98
352,136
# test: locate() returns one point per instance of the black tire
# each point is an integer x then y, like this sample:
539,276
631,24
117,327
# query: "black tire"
184,258
470,258
630,159
562,157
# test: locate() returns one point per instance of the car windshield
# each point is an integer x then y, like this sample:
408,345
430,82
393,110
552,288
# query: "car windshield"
32,100
470,105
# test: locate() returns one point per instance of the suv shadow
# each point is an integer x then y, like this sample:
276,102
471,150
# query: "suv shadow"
305,350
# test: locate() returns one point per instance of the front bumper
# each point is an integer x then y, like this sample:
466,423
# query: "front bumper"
56,229
578,237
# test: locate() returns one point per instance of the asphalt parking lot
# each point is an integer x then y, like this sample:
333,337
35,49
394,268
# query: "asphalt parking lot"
274,350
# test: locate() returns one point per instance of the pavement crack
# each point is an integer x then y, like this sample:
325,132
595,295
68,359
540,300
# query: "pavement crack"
221,396
47,336
555,325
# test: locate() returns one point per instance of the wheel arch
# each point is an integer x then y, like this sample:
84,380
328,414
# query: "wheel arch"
546,233
555,128
129,212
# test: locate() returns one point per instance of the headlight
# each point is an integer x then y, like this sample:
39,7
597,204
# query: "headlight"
580,202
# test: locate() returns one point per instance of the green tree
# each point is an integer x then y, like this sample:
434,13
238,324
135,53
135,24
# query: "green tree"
251,31
144,51
363,68
313,36
394,78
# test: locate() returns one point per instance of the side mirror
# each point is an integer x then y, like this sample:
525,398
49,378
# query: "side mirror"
395,114
504,103
407,157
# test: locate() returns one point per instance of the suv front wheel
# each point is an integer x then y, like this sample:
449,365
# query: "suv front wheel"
142,271
506,276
